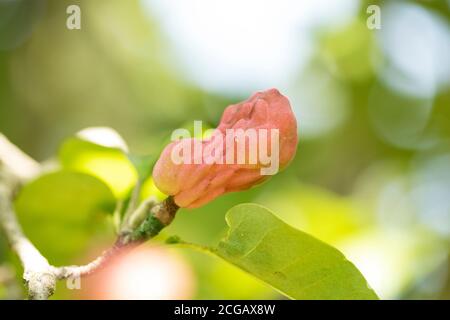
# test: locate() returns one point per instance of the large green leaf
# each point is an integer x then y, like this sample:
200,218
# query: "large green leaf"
295,263
61,212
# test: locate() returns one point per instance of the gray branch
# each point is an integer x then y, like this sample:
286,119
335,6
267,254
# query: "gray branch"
15,168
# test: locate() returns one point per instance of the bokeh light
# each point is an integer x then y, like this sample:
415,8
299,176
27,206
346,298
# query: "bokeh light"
147,273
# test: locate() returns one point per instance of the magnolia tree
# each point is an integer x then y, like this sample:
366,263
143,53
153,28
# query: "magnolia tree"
254,140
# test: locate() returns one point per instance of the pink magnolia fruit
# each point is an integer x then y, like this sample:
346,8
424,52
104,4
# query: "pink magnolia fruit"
208,174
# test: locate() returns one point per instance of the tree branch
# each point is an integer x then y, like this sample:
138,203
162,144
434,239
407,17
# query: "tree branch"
146,221
99,263
156,217
15,167
17,163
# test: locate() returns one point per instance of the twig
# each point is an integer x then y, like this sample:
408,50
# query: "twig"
157,217
16,162
100,262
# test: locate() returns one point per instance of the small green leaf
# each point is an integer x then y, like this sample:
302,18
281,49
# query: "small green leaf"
103,136
61,212
109,164
293,262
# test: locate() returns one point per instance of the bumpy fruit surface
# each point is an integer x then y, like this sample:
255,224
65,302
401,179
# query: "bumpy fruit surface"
194,184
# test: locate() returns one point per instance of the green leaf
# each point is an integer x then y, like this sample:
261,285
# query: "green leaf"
295,263
61,212
109,164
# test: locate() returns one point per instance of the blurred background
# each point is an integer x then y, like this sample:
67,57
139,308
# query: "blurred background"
371,175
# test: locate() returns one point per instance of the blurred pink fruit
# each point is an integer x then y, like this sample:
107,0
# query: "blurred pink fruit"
145,273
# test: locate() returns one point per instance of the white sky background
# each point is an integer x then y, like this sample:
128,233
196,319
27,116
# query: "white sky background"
240,46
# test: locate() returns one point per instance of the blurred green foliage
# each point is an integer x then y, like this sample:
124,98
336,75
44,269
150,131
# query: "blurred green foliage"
108,164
